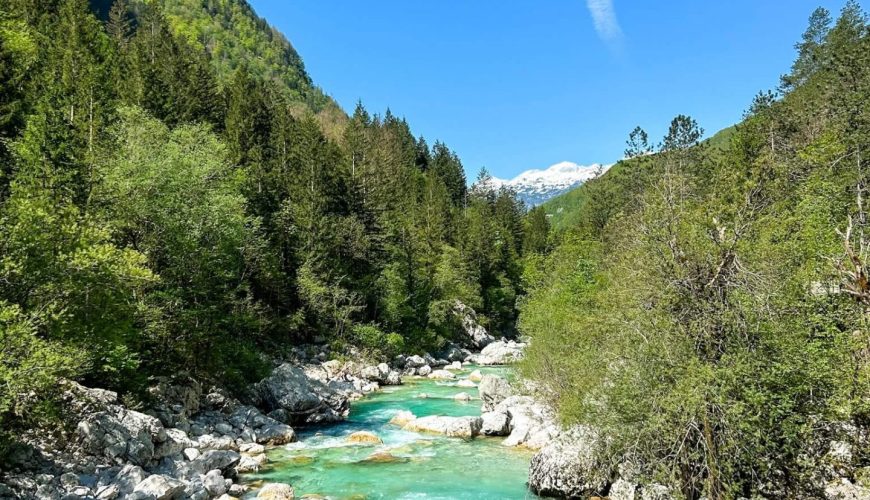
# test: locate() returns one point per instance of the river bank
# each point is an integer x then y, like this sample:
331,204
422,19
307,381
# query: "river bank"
197,443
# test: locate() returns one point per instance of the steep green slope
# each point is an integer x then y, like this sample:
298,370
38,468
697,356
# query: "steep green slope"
567,209
707,308
234,35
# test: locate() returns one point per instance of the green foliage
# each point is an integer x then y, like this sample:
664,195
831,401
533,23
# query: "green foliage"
173,195
372,339
700,308
176,194
85,292
29,367
234,35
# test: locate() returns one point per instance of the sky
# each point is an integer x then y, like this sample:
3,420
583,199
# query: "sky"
512,85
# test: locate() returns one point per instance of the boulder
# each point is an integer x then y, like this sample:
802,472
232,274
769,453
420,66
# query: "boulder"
371,373
462,427
176,398
237,490
128,477
462,396
456,366
533,424
276,491
465,383
843,489
415,362
393,378
475,376
275,434
121,435
306,401
500,353
214,483
364,437
251,463
252,448
441,375
160,487
107,492
424,370
223,460
569,467
495,423
176,442
493,390
454,353
476,335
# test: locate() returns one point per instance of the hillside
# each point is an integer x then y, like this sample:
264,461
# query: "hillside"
168,204
234,36
566,210
704,309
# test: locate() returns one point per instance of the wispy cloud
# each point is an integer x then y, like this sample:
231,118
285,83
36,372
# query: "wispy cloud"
605,21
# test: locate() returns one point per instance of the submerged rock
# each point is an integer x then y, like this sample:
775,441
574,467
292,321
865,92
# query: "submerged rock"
364,437
475,376
442,375
402,418
276,491
383,457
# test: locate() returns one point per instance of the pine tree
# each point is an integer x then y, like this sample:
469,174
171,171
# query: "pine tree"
811,56
637,144
446,165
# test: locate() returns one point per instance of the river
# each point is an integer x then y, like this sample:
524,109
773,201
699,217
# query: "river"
322,464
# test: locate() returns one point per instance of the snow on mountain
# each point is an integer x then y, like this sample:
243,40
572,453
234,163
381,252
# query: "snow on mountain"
537,186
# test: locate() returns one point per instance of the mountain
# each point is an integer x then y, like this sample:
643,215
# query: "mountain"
234,36
537,186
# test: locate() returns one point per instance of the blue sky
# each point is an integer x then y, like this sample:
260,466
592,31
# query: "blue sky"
514,85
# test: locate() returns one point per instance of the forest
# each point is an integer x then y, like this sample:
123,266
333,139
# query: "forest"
176,194
705,303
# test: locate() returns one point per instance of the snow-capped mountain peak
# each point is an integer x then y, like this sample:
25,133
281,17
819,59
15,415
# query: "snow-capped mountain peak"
537,186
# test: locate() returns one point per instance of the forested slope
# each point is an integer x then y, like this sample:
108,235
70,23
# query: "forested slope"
166,205
706,306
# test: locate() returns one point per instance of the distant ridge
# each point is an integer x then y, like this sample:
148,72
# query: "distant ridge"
536,186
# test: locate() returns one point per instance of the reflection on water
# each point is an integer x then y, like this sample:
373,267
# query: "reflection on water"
406,465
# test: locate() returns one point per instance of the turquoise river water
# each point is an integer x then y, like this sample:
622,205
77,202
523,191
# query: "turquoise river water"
322,464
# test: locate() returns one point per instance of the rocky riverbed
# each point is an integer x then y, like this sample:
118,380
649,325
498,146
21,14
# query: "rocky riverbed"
194,443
